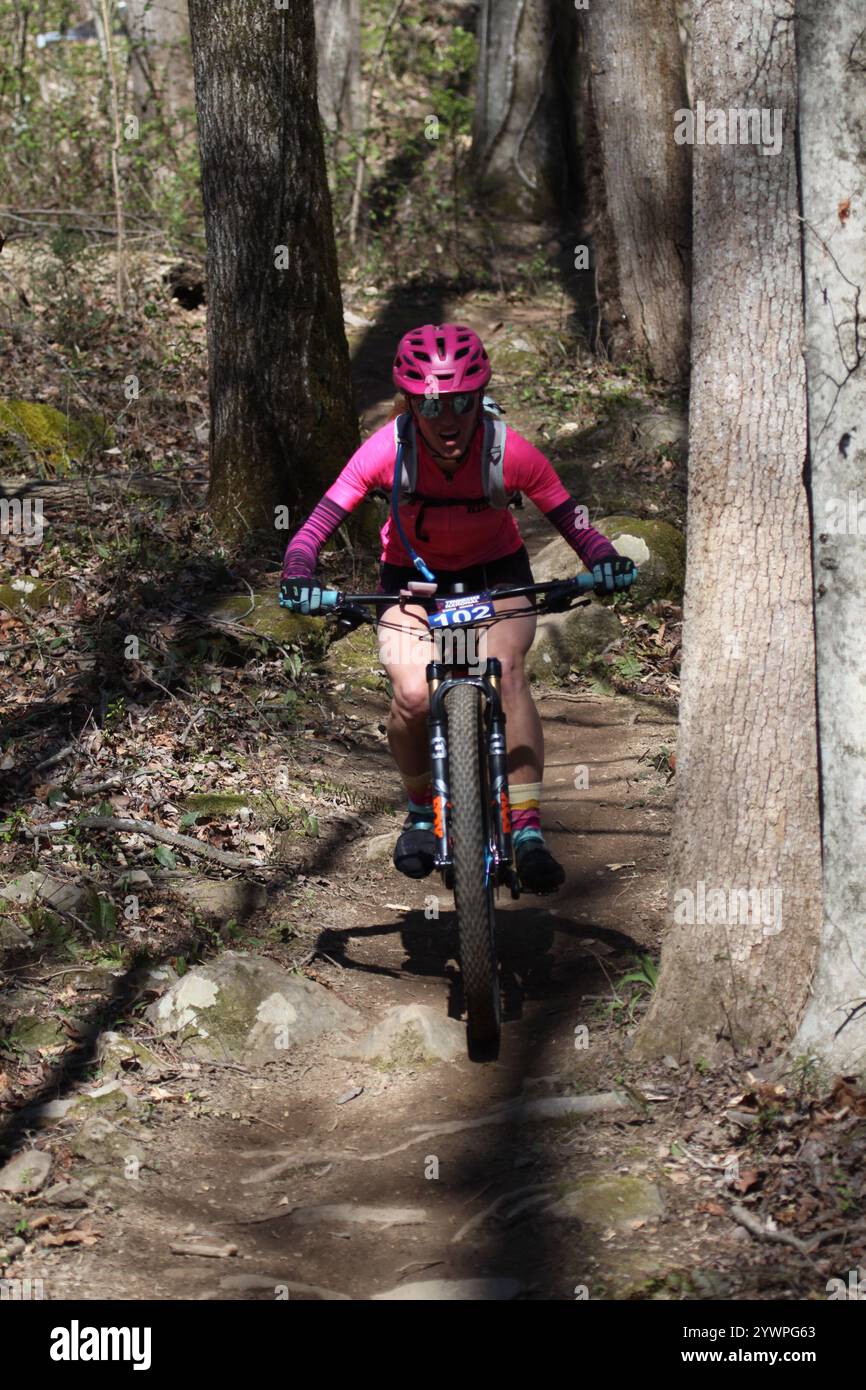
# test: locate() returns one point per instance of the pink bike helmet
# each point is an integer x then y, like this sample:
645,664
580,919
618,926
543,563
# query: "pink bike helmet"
449,354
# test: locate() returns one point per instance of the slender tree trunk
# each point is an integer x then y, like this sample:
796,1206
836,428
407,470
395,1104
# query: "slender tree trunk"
637,82
522,134
745,878
338,45
162,81
832,130
282,412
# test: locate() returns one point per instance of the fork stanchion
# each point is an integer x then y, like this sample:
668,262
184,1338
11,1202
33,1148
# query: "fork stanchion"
498,764
436,673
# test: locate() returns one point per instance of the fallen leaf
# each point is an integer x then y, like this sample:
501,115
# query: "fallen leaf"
70,1238
747,1179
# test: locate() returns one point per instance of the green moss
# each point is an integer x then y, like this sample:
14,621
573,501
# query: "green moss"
31,432
575,640
33,594
657,548
265,810
32,1033
406,1052
268,619
611,1201
355,658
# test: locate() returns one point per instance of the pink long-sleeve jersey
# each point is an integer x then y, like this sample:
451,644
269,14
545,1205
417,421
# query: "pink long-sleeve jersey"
451,538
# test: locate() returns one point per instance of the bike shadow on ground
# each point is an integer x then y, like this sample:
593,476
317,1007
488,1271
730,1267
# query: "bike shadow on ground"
532,943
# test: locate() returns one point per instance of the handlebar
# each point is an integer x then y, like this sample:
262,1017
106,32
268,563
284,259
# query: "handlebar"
561,592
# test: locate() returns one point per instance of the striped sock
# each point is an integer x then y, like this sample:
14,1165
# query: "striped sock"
420,791
525,814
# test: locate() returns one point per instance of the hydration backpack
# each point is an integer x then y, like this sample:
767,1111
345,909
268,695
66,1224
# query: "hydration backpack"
492,464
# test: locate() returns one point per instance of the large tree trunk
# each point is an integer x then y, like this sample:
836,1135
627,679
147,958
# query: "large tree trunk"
746,818
637,82
282,412
832,130
162,82
338,45
523,126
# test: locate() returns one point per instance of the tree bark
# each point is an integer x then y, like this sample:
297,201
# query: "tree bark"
746,819
523,128
637,82
282,412
338,46
832,132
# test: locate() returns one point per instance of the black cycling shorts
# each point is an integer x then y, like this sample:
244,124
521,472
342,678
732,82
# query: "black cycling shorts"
509,571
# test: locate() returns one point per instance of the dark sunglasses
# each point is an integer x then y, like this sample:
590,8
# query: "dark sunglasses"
431,406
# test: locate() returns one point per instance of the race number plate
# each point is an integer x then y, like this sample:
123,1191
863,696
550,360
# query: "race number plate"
465,608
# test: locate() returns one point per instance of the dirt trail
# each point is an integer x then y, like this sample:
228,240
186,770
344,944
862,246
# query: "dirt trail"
248,1151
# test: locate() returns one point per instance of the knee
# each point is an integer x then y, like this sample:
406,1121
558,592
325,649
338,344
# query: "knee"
410,702
513,673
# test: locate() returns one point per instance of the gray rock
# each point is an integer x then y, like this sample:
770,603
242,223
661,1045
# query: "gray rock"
380,847
100,1142
134,878
609,1202
115,1054
100,1100
26,1173
93,977
32,1033
409,1035
459,1290
246,1008
13,938
153,979
657,548
575,639
222,898
37,886
65,1194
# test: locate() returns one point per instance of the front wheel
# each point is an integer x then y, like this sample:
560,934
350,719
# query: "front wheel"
473,883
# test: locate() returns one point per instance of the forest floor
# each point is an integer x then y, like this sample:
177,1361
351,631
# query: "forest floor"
329,1176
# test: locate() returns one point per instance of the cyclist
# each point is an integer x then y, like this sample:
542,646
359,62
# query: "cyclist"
468,534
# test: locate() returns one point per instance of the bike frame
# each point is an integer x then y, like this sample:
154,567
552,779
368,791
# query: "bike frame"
442,675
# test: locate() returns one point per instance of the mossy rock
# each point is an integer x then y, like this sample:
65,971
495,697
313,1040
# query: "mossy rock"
25,593
575,640
245,1008
32,1033
268,619
355,658
657,548
31,432
115,1053
264,810
610,1202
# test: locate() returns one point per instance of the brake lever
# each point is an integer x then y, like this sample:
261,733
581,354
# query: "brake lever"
562,602
352,616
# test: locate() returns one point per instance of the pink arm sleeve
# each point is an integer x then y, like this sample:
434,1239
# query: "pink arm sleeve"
369,467
527,470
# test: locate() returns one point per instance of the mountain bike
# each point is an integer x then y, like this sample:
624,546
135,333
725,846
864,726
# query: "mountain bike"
471,811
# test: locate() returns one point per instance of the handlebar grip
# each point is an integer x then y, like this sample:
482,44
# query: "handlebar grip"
327,598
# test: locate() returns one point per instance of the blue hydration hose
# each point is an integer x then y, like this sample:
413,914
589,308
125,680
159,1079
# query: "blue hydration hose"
416,559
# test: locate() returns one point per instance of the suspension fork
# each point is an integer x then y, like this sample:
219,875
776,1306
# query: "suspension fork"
439,681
